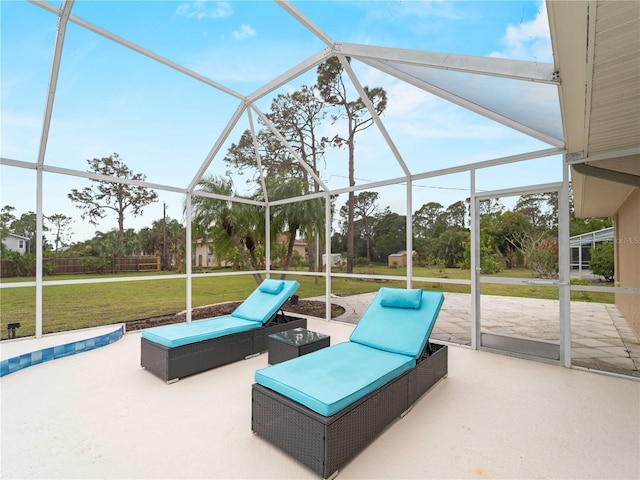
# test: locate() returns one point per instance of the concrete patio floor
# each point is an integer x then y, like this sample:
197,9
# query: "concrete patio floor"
98,414
600,337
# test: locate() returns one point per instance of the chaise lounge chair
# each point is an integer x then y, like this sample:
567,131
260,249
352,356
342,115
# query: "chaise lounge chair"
174,351
323,408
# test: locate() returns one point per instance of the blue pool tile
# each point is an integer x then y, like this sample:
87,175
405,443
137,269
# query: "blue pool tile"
25,360
36,357
39,356
14,364
47,354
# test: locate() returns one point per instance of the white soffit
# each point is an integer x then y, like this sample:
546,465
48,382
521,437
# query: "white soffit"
598,198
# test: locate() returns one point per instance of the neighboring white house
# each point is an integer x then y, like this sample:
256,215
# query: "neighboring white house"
16,243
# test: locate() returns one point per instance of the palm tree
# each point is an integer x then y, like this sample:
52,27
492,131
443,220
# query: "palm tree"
292,218
233,227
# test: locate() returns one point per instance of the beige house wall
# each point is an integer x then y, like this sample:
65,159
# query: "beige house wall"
203,258
627,258
201,253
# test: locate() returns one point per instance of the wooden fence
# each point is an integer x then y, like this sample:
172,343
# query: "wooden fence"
76,265
6,268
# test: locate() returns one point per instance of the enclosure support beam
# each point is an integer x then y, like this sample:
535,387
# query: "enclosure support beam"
564,268
39,254
475,264
188,259
63,17
409,233
327,243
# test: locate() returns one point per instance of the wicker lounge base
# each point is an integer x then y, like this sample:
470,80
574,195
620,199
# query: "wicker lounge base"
171,364
325,444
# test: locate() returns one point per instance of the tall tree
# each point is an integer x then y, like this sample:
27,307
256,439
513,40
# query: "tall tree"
456,215
112,195
542,210
60,225
365,208
298,117
428,221
176,242
334,92
389,234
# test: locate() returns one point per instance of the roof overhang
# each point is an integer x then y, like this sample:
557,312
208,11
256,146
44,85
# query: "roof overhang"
595,46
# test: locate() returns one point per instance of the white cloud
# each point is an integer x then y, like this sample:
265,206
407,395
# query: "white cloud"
245,32
205,9
528,40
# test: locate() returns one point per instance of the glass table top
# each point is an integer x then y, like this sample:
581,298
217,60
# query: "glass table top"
298,336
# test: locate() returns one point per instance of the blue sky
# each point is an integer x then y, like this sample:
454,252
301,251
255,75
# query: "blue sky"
163,123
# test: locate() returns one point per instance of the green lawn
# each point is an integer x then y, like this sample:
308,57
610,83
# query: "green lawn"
68,307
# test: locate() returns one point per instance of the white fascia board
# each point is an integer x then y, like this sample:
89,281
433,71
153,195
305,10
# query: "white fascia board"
578,157
308,24
136,48
290,74
463,102
498,67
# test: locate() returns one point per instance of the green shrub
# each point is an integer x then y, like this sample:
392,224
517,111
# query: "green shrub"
602,262
23,264
542,257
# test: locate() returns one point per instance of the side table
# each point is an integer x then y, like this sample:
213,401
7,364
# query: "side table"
294,343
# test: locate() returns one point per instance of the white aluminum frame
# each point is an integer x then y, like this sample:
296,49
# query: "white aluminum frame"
376,57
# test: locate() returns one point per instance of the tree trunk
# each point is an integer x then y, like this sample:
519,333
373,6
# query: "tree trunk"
246,259
351,205
287,260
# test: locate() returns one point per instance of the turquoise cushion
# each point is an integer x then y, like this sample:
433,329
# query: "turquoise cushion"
260,306
398,298
398,330
273,287
330,379
179,334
